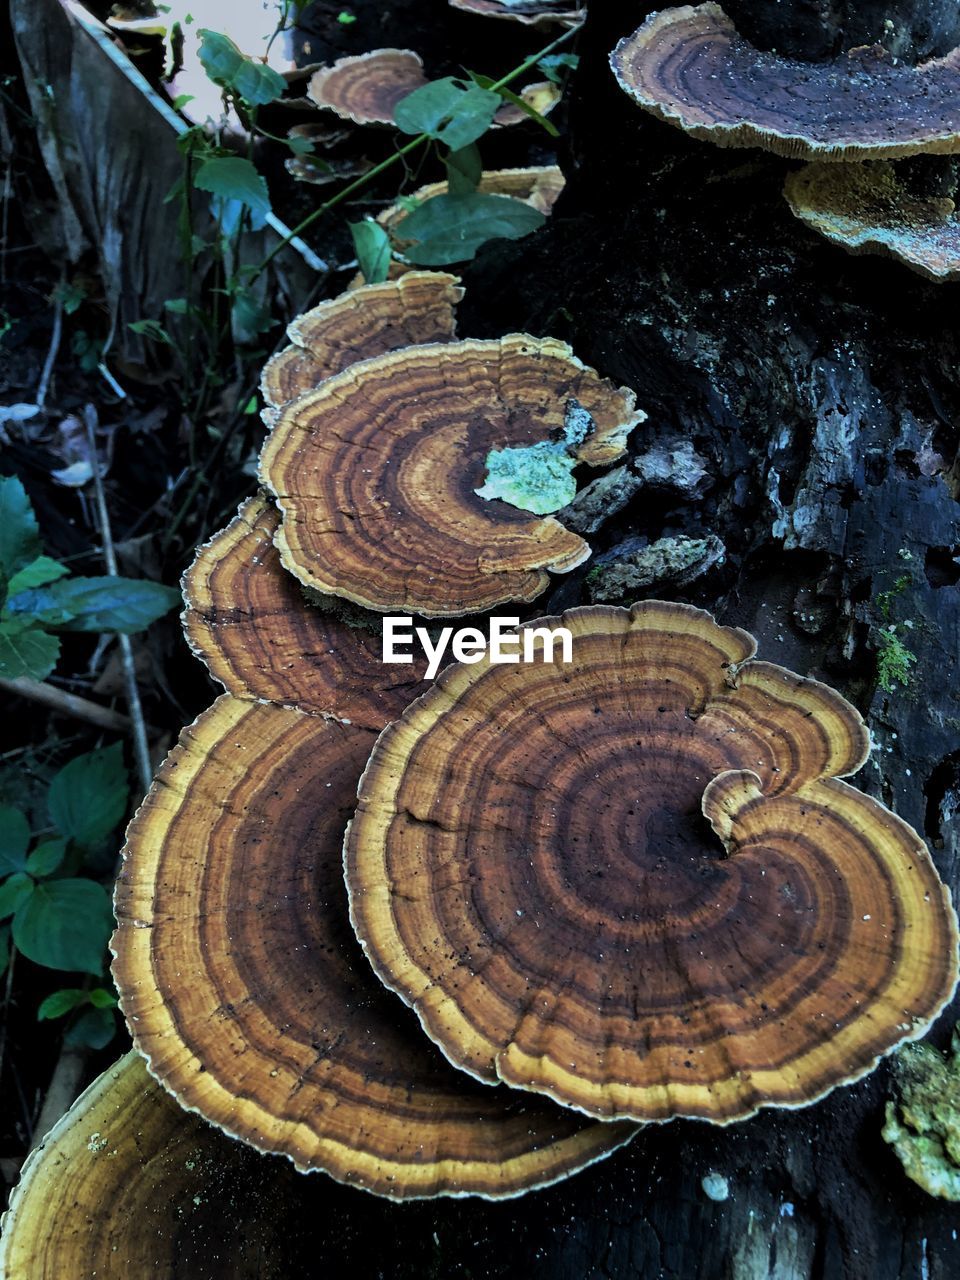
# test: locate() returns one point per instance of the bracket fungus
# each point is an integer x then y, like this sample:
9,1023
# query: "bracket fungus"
364,322
127,1183
367,87
531,13
865,208
532,868
375,473
690,67
250,998
247,621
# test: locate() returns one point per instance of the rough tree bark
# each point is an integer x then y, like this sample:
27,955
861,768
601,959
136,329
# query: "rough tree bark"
824,391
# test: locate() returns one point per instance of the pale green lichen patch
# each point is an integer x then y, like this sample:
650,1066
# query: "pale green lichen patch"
539,477
924,1126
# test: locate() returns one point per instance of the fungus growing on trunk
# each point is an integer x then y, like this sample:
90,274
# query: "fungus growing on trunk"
375,473
690,67
865,208
532,13
127,1183
248,622
532,868
420,307
248,994
366,88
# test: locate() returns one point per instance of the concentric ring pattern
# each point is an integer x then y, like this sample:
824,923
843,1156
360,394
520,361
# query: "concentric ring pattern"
366,88
375,473
248,994
247,621
689,66
630,882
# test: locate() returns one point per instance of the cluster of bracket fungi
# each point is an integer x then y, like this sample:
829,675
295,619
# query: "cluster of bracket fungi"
610,892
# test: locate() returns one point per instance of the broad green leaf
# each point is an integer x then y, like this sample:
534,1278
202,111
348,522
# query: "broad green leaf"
102,999
14,892
14,839
26,650
152,329
88,797
61,1002
19,531
452,228
46,858
539,477
65,924
249,317
251,80
233,178
95,1028
36,574
554,63
449,110
96,604
373,249
464,168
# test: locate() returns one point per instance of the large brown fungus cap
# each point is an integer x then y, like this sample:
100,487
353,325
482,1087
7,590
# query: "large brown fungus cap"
129,1185
248,622
366,88
690,67
530,869
376,471
248,994
865,208
420,307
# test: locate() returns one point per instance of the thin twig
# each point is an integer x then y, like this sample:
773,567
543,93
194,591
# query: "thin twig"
141,749
47,372
67,704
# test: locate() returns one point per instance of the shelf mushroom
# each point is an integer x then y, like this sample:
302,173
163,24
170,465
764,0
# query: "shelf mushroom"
248,622
248,994
865,209
633,882
690,67
127,1183
375,473
358,324
531,13
367,87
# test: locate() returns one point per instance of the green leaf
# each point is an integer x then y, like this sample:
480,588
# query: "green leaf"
301,146
539,477
249,317
100,998
249,79
46,858
448,110
452,228
26,651
14,839
61,1002
36,574
19,531
65,924
4,948
152,329
96,604
464,168
14,892
95,1028
508,95
554,63
373,249
233,178
88,797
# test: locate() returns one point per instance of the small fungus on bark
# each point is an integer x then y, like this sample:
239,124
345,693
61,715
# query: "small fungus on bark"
376,473
865,208
247,620
363,322
366,88
690,67
251,1000
634,883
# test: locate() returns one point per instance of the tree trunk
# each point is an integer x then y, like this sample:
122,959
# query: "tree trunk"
823,392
